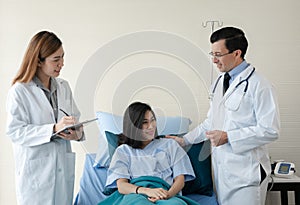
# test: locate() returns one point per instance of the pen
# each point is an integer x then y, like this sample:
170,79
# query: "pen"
66,131
64,112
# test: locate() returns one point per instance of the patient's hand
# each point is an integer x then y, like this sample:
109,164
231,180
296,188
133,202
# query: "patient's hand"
154,199
154,194
180,140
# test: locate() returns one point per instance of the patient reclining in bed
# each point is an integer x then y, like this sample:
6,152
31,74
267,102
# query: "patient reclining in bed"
146,168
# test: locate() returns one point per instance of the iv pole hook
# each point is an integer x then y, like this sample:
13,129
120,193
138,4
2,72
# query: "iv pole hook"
219,24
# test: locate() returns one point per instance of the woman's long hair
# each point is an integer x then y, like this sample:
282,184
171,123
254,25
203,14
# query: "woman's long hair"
42,45
133,123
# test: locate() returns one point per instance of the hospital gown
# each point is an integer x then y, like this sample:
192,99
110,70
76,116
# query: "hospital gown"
162,158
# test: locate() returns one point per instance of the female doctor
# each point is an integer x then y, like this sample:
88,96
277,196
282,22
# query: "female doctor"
38,105
241,121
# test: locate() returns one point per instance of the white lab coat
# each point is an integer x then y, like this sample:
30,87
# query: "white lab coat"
44,168
251,121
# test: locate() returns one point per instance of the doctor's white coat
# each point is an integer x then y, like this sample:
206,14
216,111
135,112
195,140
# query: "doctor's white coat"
251,121
44,167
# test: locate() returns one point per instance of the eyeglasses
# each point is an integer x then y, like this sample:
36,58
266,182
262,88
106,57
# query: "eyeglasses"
218,55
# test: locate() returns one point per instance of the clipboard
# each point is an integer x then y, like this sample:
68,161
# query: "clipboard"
73,127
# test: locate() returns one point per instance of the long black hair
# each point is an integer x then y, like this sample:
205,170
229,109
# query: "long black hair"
133,123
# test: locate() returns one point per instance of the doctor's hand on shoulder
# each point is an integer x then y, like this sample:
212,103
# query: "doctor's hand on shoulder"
71,134
217,137
179,140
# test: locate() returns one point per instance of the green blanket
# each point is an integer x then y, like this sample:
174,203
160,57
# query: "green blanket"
140,199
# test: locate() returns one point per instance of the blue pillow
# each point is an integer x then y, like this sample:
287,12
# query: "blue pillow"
200,157
112,140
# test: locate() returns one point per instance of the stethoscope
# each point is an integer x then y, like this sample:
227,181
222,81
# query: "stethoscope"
244,80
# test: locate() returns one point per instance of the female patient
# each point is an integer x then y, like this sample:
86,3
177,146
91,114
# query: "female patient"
142,154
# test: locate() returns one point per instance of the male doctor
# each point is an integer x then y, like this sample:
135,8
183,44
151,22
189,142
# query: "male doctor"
240,123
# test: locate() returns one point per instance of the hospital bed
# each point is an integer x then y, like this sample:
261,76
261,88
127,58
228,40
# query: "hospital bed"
92,183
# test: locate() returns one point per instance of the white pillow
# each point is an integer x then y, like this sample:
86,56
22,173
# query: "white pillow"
114,123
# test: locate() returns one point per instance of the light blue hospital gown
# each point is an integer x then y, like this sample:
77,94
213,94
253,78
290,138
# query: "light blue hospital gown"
162,158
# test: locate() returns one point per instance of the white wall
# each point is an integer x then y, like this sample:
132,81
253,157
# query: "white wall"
86,27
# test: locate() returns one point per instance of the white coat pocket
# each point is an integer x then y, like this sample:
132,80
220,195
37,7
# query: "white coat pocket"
42,173
234,101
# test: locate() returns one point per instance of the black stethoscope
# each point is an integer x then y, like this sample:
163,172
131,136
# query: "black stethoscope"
245,80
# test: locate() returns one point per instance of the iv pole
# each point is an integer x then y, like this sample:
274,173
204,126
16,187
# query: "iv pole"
204,25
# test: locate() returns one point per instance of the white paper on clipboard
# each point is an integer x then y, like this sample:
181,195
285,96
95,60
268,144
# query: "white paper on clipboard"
74,127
